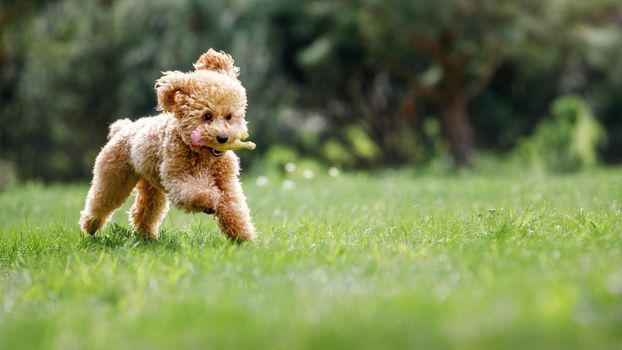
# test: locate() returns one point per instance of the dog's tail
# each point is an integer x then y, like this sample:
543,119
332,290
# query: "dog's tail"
117,126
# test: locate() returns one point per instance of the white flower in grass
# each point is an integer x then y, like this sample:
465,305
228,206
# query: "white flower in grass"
333,172
262,181
288,184
290,167
308,174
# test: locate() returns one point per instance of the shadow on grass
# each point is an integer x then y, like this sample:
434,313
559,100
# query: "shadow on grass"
118,237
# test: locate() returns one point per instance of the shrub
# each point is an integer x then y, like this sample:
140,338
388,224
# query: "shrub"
8,177
568,140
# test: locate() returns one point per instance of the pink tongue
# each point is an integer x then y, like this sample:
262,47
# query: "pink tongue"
195,137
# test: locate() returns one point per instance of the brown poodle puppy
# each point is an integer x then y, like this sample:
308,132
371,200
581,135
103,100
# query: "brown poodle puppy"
183,154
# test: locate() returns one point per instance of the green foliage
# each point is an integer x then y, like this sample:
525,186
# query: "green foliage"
567,141
98,64
388,261
361,144
356,147
314,71
8,177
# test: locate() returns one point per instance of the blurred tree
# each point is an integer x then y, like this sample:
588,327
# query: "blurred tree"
360,83
318,46
447,52
76,66
393,58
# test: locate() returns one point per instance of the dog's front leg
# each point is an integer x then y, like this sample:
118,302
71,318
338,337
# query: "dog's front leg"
232,212
188,185
193,194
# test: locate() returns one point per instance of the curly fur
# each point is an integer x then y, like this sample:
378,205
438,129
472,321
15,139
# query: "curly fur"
217,61
156,155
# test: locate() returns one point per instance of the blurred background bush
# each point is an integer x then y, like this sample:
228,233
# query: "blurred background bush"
353,84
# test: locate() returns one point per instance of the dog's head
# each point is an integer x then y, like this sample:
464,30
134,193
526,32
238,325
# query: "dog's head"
209,103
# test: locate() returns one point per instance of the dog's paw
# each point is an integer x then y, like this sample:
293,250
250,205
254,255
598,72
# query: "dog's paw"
90,224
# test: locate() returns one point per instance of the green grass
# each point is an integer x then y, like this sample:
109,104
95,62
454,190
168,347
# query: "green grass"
392,260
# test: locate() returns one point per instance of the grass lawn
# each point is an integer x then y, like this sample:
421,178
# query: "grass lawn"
391,260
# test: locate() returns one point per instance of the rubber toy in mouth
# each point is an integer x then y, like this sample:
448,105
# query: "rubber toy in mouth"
196,138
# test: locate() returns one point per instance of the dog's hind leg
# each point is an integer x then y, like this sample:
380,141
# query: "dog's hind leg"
148,210
113,181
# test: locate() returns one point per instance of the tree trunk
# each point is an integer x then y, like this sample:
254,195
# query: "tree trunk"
459,131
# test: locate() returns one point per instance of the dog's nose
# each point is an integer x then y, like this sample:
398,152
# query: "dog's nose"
222,138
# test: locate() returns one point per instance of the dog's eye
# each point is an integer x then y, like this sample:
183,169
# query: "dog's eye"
207,117
228,117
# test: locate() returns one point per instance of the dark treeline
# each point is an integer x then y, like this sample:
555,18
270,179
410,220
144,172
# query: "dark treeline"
362,83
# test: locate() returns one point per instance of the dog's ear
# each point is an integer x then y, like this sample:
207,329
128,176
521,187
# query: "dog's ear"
171,90
219,62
